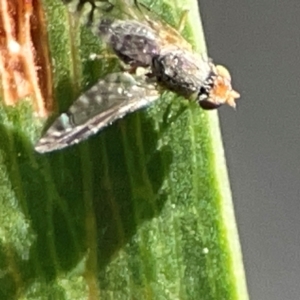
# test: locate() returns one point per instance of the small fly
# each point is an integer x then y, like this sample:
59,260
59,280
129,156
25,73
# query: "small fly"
168,63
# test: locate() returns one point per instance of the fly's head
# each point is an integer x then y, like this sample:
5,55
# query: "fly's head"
218,90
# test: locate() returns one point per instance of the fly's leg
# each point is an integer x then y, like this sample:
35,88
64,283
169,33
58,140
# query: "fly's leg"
183,20
89,10
139,6
107,55
93,11
123,66
171,116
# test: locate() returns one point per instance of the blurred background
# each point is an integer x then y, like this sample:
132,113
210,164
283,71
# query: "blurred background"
259,41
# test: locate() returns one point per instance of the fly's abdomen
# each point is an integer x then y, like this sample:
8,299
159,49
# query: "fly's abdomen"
133,42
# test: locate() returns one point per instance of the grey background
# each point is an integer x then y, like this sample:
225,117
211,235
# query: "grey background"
259,41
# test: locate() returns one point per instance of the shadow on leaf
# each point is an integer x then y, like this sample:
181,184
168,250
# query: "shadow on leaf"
117,176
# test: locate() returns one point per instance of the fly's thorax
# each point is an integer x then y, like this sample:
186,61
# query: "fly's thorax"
133,42
181,71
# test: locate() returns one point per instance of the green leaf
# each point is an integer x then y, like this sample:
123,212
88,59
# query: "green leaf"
142,210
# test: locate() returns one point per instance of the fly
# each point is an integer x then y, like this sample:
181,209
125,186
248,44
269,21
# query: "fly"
168,61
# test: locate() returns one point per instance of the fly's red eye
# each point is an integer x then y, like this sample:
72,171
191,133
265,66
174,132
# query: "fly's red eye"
208,105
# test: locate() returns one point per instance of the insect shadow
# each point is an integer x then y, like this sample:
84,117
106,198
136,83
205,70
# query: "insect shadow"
114,179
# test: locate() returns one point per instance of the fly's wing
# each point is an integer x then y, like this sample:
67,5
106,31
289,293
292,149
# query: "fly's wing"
108,100
166,34
133,33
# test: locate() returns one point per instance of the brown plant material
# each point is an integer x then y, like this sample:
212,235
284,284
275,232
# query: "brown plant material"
25,68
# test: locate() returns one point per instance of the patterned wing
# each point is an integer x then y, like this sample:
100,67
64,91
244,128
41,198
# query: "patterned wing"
108,100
